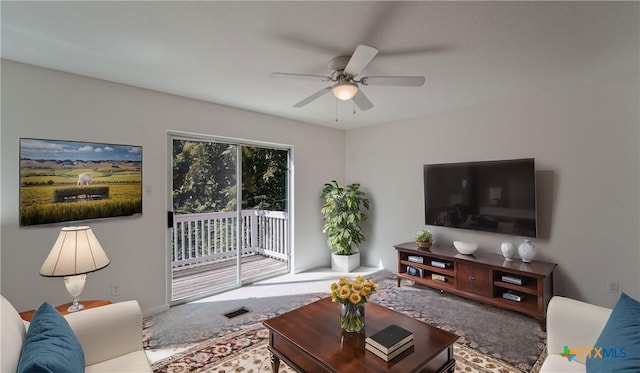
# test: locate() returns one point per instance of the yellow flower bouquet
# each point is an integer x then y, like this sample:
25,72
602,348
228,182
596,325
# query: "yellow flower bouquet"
352,295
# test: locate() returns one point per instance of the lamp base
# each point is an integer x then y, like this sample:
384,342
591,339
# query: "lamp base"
74,285
75,307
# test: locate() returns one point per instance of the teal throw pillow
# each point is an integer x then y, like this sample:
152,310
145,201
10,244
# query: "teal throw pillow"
618,347
50,345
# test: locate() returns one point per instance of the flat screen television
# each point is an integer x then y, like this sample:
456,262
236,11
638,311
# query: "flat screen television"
492,196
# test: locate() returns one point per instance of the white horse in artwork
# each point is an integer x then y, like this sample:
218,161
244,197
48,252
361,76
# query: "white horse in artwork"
84,179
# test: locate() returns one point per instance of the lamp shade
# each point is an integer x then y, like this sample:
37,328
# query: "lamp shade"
344,90
75,252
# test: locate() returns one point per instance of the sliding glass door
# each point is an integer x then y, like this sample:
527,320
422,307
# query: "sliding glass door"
229,220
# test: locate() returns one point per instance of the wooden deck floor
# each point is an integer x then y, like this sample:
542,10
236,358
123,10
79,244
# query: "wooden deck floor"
202,278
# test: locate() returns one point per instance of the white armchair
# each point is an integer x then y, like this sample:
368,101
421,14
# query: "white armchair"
111,337
574,324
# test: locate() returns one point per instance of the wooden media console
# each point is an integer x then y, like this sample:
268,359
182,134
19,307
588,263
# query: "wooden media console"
484,277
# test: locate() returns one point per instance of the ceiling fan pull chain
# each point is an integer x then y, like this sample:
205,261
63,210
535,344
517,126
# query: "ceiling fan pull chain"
354,107
336,110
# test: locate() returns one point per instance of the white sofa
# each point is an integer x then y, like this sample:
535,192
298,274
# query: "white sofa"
111,337
574,324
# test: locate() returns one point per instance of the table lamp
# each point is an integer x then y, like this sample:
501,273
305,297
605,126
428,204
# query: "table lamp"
75,253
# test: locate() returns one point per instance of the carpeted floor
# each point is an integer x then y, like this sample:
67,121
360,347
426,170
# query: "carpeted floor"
196,322
506,336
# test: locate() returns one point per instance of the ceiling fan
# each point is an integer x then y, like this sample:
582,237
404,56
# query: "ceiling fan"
344,70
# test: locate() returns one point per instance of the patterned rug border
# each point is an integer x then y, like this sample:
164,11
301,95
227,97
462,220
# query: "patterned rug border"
234,345
467,356
226,340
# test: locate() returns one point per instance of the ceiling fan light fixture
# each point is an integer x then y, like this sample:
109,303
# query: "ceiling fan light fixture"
344,90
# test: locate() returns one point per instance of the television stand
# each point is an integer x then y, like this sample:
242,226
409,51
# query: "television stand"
484,277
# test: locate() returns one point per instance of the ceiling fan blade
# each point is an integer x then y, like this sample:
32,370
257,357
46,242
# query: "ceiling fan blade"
362,101
300,76
360,59
398,81
312,97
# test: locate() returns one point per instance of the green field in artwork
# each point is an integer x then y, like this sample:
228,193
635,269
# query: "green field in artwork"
58,191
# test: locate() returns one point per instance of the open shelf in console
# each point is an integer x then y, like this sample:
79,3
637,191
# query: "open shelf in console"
527,305
437,272
448,271
529,285
427,281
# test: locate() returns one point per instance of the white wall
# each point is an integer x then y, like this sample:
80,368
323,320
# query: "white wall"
584,136
48,104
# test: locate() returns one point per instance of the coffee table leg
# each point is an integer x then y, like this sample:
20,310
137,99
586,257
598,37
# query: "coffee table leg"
452,368
275,363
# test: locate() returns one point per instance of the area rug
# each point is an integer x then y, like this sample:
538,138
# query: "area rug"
246,351
503,335
508,336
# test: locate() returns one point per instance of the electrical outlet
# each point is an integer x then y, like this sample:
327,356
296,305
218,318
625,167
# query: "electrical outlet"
115,290
613,286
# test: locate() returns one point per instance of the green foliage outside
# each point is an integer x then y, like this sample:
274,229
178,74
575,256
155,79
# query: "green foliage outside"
204,177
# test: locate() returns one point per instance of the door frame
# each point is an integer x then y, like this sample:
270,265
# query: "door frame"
175,134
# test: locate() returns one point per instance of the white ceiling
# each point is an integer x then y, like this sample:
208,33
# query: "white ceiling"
223,52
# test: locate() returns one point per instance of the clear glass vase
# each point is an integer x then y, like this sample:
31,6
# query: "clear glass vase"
352,317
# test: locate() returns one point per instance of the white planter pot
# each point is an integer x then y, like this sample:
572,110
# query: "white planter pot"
345,263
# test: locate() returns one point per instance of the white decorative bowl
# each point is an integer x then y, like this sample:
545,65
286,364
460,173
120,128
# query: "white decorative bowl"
466,248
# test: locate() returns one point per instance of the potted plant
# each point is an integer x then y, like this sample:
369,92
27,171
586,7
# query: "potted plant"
343,213
424,238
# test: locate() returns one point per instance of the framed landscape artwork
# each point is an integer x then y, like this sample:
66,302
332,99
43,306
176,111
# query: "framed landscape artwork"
62,181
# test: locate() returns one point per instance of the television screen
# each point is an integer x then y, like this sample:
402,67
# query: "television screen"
491,196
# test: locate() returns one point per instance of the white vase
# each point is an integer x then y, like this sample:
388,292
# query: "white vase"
508,250
527,251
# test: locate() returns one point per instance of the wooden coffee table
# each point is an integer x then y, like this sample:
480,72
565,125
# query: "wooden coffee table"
309,339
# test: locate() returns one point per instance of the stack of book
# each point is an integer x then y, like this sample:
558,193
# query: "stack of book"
389,342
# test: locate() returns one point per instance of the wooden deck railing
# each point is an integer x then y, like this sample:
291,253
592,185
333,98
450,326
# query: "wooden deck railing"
210,236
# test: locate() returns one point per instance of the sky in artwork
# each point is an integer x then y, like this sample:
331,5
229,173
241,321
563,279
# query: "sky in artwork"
77,151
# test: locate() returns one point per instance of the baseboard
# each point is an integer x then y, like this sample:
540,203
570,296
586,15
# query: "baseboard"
154,310
305,269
